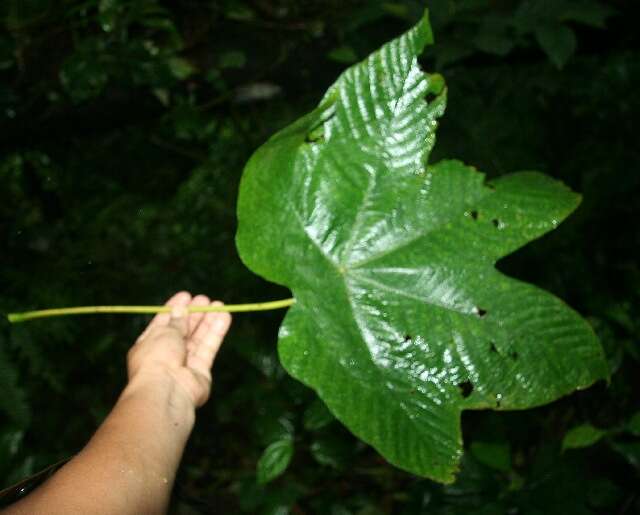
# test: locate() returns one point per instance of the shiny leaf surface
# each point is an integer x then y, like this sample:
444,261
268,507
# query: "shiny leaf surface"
402,320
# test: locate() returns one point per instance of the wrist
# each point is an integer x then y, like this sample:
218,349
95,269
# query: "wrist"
157,387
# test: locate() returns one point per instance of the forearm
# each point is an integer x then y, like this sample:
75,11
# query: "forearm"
128,467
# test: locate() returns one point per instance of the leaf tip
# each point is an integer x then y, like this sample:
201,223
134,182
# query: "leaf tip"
425,30
450,476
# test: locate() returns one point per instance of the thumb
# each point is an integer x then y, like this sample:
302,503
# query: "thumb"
178,320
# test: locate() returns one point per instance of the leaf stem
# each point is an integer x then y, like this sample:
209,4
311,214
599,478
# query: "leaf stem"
15,318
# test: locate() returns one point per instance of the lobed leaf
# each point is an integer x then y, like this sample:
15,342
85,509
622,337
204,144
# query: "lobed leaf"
402,320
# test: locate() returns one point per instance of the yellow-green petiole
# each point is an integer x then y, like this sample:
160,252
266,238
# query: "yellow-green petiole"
15,318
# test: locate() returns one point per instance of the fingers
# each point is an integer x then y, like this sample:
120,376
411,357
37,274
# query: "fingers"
159,342
161,319
208,337
196,318
179,320
203,331
187,342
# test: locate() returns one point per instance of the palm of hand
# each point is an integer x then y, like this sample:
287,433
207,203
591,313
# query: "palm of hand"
182,345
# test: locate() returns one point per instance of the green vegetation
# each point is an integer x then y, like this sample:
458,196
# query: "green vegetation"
401,320
126,126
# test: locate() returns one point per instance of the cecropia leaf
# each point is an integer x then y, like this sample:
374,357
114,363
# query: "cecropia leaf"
401,319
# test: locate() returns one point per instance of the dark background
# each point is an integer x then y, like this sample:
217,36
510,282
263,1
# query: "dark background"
124,128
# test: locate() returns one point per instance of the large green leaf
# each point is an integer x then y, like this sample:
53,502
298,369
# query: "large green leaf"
401,320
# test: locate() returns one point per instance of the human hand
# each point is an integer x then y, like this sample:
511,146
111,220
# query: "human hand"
180,347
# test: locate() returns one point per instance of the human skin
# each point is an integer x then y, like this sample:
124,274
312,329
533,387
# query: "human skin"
129,465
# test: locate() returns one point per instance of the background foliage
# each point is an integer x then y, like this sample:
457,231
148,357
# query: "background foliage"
124,127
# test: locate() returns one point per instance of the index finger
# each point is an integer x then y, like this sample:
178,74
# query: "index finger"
208,338
181,298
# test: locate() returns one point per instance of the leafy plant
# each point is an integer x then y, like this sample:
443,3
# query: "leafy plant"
401,320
